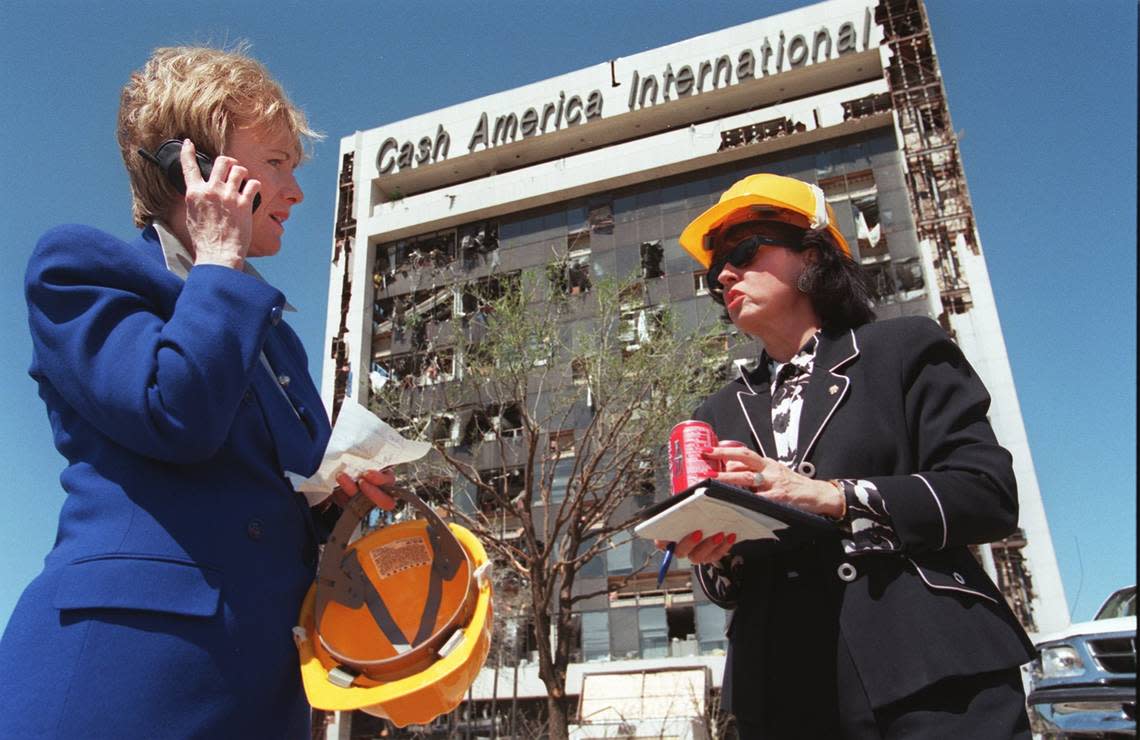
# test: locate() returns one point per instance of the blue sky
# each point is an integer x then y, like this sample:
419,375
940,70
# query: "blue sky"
1043,95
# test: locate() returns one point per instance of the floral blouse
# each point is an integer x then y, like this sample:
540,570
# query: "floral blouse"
866,527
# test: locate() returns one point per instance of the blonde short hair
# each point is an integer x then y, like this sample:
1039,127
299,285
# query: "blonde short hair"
201,94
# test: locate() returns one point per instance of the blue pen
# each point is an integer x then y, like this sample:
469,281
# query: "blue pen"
665,561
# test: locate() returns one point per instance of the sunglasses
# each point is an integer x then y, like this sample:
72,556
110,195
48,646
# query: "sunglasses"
739,255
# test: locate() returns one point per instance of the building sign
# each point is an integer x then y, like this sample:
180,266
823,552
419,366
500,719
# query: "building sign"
770,55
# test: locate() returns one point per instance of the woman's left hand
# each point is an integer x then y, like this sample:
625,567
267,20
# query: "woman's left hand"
372,484
776,481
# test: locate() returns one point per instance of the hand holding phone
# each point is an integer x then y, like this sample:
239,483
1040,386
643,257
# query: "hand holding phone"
167,159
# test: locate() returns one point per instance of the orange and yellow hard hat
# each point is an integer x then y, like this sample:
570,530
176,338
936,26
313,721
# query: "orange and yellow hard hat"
763,197
398,624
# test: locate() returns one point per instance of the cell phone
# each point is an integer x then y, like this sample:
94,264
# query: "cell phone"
168,159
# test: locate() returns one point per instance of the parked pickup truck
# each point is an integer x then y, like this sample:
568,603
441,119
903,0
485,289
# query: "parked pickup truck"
1083,683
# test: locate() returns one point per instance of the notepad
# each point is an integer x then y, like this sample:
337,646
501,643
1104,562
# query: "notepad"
711,507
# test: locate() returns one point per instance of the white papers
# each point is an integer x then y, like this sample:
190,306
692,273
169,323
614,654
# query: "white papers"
709,515
360,441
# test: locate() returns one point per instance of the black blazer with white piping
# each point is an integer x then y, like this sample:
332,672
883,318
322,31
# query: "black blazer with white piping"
896,403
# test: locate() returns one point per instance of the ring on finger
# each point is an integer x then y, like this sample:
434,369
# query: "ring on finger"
757,479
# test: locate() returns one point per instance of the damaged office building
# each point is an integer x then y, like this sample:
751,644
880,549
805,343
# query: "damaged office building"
595,173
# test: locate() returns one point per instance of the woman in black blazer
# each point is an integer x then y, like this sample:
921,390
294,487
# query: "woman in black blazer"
888,628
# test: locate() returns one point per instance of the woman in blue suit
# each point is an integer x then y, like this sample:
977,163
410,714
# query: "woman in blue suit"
179,399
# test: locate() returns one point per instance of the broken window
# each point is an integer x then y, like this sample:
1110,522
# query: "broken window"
868,229
579,239
578,275
570,276
880,282
908,274
508,420
867,105
652,254
562,442
419,311
433,250
492,422
644,483
681,623
701,282
443,429
412,369
858,188
478,295
580,370
756,132
509,485
640,325
477,241
600,216
479,428
437,249
893,281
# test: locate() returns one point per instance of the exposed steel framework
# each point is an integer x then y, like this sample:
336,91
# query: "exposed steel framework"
943,214
343,235
939,198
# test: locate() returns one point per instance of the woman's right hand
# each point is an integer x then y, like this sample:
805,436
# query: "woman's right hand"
372,483
701,550
219,211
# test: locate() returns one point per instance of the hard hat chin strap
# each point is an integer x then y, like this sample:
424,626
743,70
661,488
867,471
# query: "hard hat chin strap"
341,579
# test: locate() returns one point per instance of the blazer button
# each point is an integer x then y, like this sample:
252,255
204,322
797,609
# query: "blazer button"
275,315
254,529
847,572
958,577
806,469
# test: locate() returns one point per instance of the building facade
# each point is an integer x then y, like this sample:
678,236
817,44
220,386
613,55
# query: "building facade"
598,171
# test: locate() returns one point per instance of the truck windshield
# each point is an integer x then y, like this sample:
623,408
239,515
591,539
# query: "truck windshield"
1120,604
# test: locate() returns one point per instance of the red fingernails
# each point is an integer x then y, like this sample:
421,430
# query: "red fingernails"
732,538
695,536
718,538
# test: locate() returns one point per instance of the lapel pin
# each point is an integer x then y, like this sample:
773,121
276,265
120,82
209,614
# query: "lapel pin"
283,380
833,390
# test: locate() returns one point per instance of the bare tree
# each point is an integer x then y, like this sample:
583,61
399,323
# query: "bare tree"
549,422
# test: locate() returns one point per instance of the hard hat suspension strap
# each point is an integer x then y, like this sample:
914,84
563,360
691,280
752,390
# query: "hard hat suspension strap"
341,579
356,590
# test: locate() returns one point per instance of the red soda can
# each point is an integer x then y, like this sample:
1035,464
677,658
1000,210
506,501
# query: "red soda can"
686,464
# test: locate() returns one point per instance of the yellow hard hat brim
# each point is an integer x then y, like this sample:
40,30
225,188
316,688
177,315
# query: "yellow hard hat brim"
416,699
693,237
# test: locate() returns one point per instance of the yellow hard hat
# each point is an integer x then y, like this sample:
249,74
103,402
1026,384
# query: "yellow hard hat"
398,623
763,197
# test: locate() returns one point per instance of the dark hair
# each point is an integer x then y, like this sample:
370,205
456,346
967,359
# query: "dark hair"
835,283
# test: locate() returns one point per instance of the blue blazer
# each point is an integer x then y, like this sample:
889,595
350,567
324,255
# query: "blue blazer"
166,606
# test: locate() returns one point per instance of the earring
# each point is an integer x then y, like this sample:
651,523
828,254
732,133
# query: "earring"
803,284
